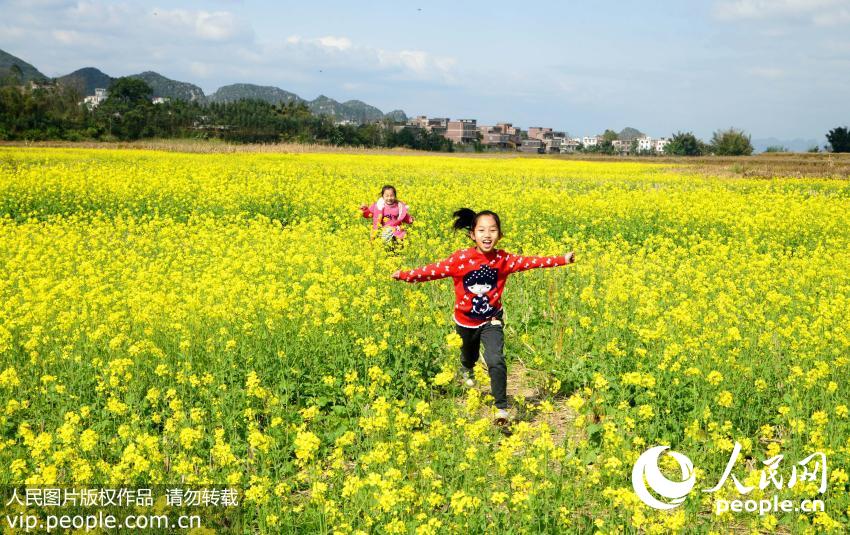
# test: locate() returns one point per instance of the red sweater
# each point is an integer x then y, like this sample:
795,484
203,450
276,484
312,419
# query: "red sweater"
479,279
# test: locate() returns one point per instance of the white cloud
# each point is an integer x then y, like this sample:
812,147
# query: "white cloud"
339,43
835,18
96,16
818,12
213,47
417,64
200,69
341,52
770,73
209,26
75,38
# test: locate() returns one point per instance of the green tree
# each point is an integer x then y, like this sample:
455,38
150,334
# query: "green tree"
14,76
50,112
129,92
610,135
127,113
604,145
684,144
839,139
731,142
776,148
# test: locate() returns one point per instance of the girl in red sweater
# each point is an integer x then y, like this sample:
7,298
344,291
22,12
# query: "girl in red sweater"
479,275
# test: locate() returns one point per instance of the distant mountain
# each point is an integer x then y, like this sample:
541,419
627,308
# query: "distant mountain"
360,112
793,145
628,133
166,87
28,71
272,95
353,110
86,80
397,116
323,105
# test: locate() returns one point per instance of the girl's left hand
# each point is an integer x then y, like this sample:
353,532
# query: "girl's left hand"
570,257
397,274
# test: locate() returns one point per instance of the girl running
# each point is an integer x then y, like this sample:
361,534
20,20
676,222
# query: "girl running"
479,275
388,215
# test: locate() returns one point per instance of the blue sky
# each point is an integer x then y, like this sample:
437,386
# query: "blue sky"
776,68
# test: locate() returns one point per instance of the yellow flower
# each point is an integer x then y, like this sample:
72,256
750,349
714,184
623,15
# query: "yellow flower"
454,341
18,467
9,377
443,378
260,441
724,399
88,440
114,405
306,445
646,412
188,436
498,498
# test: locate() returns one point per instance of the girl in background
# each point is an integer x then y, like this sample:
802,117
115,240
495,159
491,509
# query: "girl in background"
388,216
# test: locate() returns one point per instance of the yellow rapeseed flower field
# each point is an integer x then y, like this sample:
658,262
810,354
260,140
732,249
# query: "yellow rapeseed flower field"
224,320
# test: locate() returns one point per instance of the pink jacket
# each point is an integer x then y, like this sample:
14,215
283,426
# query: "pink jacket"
376,212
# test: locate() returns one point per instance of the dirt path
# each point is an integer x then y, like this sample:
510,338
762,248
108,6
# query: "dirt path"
525,395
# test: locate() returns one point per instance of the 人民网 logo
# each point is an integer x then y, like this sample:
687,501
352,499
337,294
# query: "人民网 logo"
646,473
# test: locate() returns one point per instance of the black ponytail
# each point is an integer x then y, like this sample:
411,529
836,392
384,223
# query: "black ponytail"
466,219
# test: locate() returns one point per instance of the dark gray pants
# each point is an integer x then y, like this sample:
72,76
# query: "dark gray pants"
492,335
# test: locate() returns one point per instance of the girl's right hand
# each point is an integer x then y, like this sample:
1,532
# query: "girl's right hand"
570,257
397,274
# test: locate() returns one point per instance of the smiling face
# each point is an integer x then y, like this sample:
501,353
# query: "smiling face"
485,233
389,196
480,288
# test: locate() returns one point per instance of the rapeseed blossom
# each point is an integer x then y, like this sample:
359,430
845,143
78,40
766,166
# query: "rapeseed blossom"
222,319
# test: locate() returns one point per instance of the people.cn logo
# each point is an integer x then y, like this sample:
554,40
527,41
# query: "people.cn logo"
646,473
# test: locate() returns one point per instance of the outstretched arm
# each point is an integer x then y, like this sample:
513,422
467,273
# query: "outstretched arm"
437,270
517,263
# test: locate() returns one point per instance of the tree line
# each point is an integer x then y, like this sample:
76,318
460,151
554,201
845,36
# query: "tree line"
734,142
54,112
729,142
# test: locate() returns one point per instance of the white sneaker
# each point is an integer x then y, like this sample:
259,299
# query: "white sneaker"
468,378
502,417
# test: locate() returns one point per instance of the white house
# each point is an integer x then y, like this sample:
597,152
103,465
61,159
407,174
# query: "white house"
645,144
570,144
93,101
